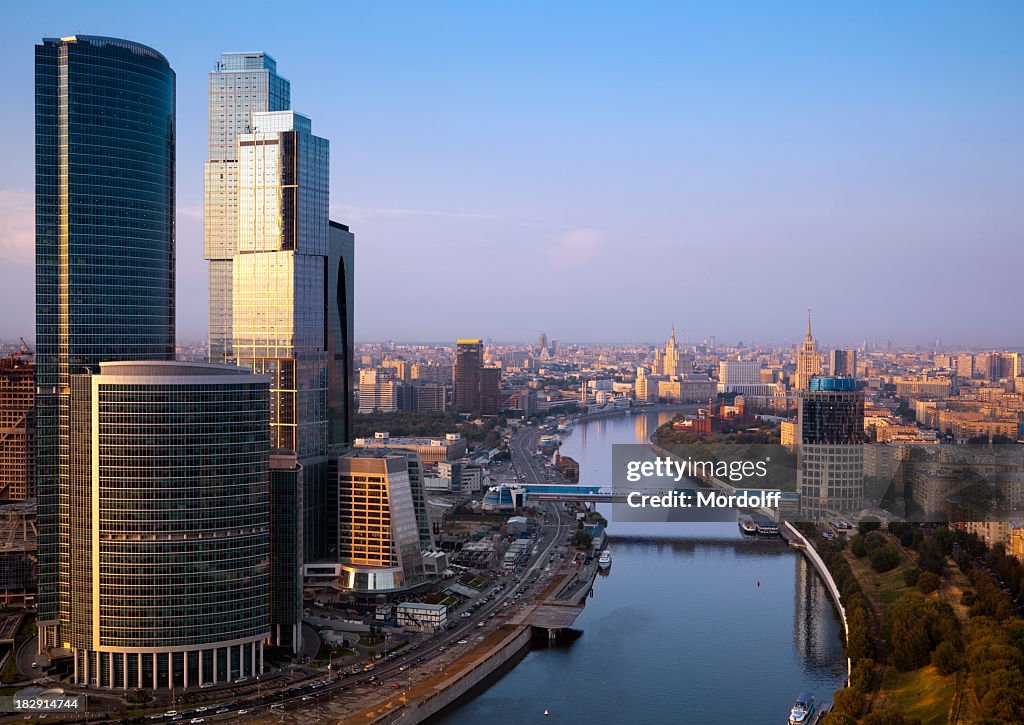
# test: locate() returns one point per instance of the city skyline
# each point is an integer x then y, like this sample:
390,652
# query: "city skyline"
714,172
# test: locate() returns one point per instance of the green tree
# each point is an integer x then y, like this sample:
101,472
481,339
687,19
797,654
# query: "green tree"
868,524
946,658
885,558
848,701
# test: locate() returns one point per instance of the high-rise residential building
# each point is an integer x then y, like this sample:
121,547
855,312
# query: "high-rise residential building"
842,362
808,360
378,391
105,153
167,539
17,427
378,538
469,361
830,437
240,85
642,385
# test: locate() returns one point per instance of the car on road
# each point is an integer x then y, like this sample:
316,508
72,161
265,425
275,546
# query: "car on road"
197,720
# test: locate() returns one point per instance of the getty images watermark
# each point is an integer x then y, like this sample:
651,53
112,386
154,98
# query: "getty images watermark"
664,469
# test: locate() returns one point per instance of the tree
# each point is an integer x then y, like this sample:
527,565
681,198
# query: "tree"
858,547
946,659
885,558
848,701
910,641
868,524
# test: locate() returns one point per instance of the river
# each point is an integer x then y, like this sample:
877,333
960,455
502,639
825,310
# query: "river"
693,624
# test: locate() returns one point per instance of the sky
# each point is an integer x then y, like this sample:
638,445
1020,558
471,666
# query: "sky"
601,171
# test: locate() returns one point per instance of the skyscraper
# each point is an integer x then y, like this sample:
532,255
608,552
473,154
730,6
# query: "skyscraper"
808,359
378,537
842,362
830,434
240,85
105,152
469,360
168,535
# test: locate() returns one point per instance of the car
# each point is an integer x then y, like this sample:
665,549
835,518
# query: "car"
197,720
223,710
170,713
277,706
246,711
403,668
463,641
307,698
34,665
205,685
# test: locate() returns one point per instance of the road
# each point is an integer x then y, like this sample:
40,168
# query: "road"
522,446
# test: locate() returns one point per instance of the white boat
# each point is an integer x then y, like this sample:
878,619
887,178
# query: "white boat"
604,562
803,709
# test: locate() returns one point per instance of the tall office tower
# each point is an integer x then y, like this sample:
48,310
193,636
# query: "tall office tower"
17,427
340,301
542,341
168,533
830,434
808,359
842,363
469,360
240,85
490,390
377,391
105,145
378,538
280,310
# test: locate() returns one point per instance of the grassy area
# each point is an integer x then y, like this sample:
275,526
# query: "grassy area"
882,590
28,626
923,694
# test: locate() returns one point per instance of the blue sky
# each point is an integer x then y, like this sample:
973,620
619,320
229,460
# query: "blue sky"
602,170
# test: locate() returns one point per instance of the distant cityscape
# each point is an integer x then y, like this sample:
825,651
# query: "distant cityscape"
278,510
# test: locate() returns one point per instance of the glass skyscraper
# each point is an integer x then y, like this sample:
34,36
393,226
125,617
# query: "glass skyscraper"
105,155
240,85
168,526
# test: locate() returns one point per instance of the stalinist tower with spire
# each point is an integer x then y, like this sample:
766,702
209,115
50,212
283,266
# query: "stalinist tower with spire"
808,360
673,361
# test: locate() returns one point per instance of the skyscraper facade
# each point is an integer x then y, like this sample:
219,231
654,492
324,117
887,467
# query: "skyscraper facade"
168,526
240,85
842,362
469,360
830,437
105,154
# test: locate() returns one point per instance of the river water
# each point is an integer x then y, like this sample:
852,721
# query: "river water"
693,624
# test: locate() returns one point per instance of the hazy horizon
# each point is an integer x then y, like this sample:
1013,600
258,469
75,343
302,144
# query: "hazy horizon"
601,172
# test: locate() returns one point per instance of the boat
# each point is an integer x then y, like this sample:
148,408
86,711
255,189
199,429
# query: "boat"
604,562
747,525
802,710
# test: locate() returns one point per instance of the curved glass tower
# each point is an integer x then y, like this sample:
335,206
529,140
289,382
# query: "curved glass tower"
169,530
104,248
